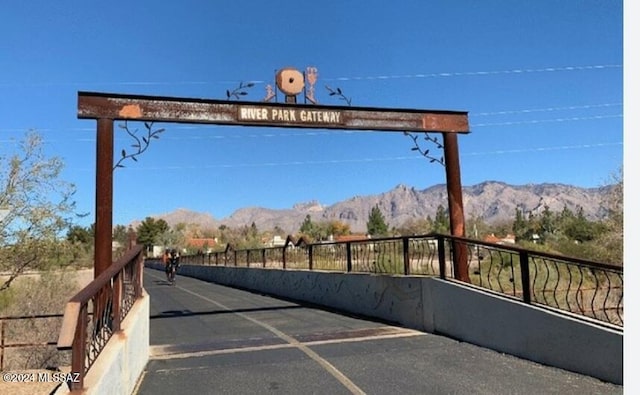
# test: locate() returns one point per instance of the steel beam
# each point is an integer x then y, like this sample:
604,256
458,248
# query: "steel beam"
456,212
104,196
206,111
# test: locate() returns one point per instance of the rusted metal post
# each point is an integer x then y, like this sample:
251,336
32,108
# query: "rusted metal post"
405,255
104,210
442,257
1,345
524,273
133,237
456,212
79,348
104,196
284,256
117,301
139,267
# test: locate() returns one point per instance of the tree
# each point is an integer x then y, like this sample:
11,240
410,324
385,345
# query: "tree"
80,234
307,225
121,235
547,222
36,207
313,230
520,227
338,228
581,229
150,230
441,222
611,241
413,227
376,225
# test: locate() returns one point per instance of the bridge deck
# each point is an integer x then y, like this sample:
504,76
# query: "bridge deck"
210,339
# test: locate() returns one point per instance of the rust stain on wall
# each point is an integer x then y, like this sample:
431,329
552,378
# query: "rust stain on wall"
131,111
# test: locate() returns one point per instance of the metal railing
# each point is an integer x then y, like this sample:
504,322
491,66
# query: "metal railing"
14,335
587,289
95,313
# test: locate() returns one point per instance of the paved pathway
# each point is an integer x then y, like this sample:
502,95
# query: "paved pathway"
211,339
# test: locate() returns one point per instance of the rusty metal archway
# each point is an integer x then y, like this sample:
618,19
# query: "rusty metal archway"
105,108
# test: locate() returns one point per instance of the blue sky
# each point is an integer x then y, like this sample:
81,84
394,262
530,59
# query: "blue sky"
542,82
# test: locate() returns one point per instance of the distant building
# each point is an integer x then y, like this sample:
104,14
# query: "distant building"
156,251
276,241
204,245
508,239
352,237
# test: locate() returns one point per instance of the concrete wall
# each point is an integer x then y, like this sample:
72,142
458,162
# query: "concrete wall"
447,308
121,363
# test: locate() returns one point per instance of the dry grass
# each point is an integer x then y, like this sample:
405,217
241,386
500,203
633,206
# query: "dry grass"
38,294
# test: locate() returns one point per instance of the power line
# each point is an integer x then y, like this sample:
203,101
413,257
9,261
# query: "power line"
479,73
371,160
345,78
547,109
537,121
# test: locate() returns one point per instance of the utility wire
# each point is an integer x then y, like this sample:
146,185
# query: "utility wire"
547,109
346,78
368,160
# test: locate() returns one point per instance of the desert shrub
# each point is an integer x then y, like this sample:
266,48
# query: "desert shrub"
32,295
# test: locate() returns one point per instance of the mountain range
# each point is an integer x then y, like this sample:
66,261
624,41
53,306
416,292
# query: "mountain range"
492,201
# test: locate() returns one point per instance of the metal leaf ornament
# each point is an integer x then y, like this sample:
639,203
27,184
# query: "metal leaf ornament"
240,91
140,143
425,152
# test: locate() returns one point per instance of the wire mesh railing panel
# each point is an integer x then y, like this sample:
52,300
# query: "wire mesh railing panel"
423,256
100,327
129,281
296,257
586,290
378,256
95,313
273,258
254,258
28,342
330,257
494,268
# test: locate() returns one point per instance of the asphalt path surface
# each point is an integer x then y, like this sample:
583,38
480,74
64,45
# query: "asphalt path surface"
206,338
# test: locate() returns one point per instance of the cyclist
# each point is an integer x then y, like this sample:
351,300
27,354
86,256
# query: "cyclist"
166,261
173,263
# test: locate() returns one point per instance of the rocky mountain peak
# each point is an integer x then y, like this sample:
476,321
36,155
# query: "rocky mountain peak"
492,201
